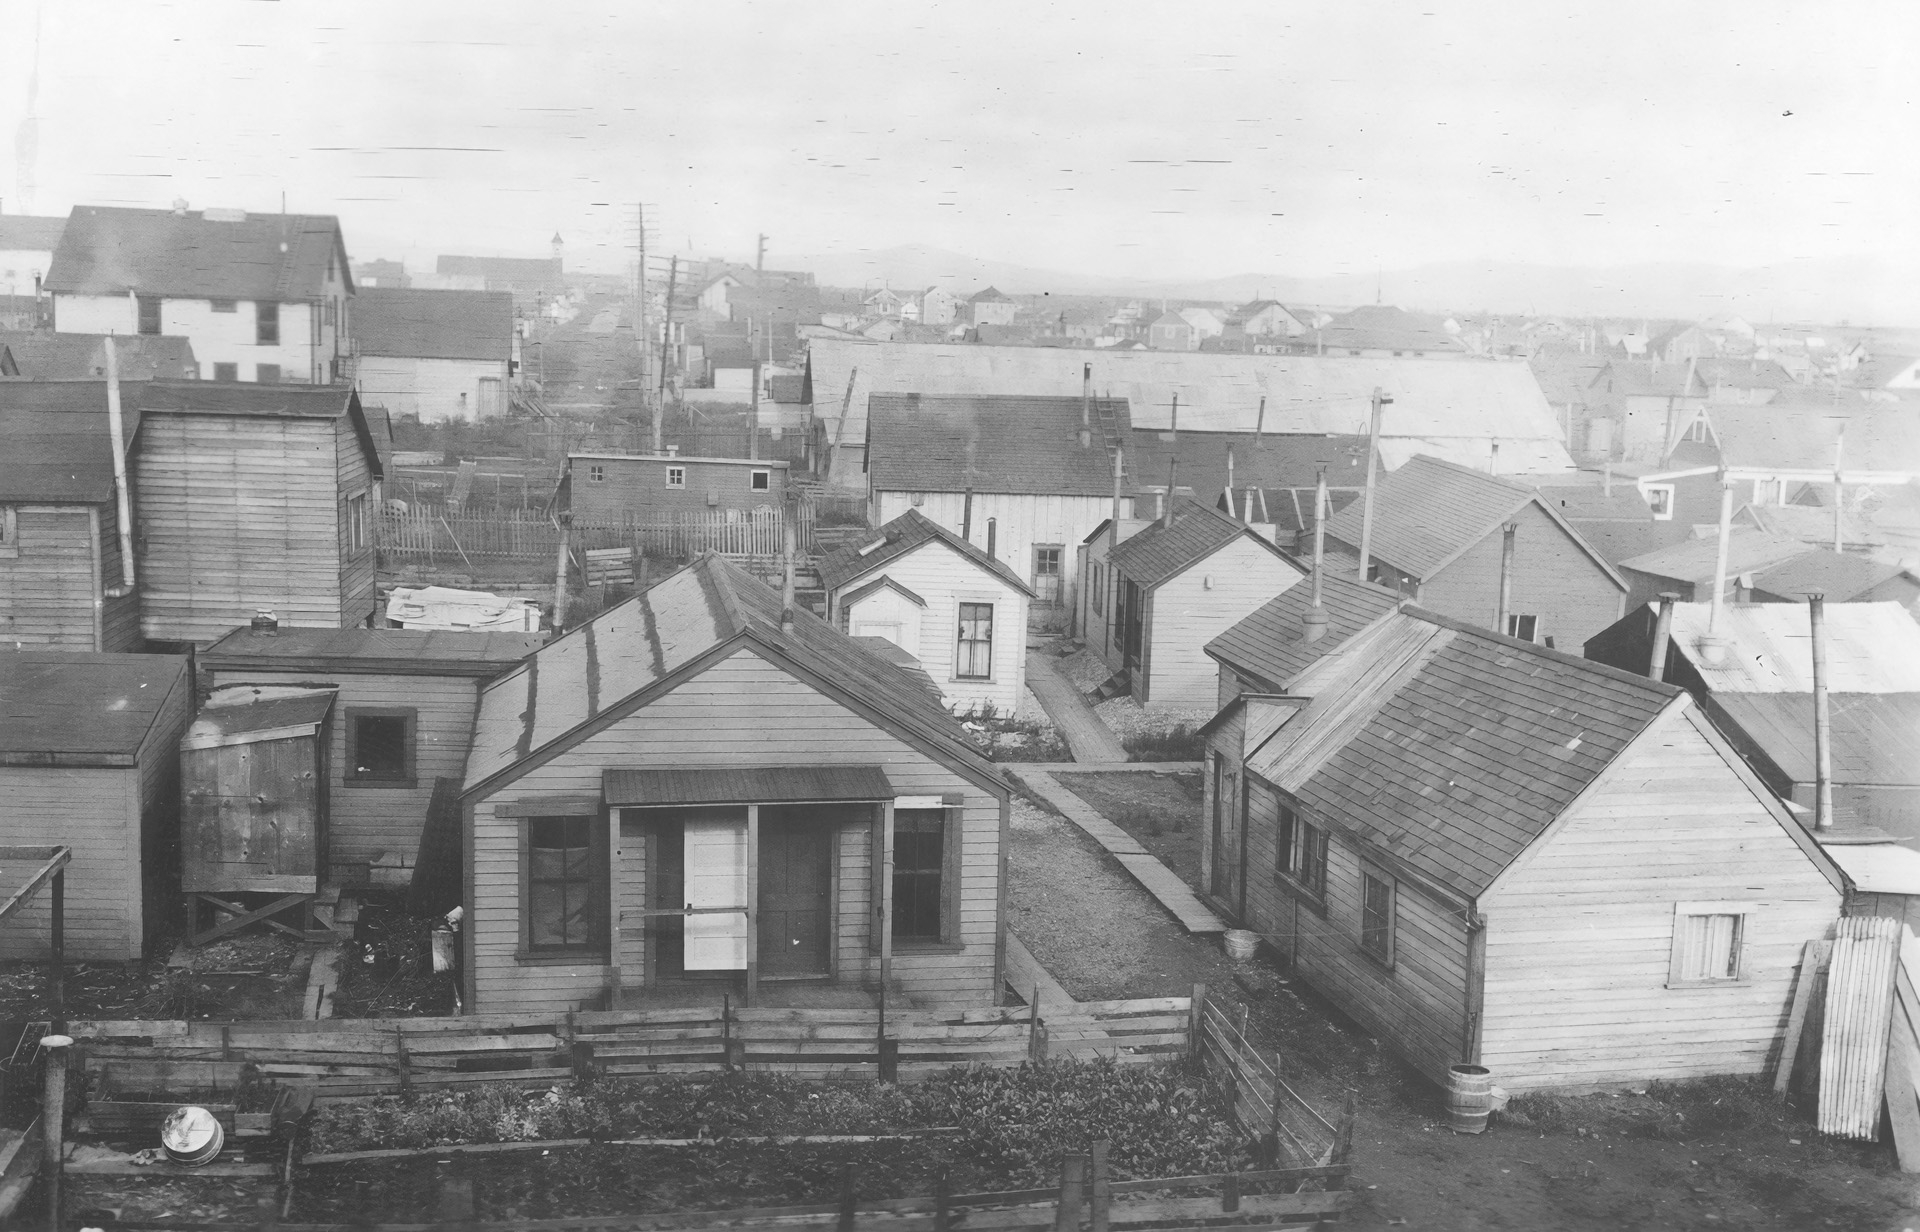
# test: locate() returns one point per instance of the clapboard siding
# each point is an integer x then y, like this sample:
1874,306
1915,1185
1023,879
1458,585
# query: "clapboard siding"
1020,523
1195,606
365,821
236,514
120,617
1580,932
743,710
48,581
354,477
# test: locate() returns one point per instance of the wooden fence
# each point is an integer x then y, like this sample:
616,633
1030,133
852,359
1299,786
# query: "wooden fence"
434,535
1288,1128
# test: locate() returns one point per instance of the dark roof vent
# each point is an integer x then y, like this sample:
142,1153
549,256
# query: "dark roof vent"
265,623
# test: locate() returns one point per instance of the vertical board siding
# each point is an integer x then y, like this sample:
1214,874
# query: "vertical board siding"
155,846
235,515
1188,612
354,474
364,821
46,582
1580,934
1020,522
96,812
741,711
1553,578
120,619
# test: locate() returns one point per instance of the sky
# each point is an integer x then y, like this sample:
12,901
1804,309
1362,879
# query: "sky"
1157,141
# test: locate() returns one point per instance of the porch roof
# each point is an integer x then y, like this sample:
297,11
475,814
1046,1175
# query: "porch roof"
746,785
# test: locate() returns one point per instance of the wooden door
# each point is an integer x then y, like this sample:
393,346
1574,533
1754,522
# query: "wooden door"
1220,875
1133,634
795,884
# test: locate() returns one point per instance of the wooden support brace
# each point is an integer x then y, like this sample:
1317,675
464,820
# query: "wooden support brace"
1796,1018
239,917
848,1196
1230,1193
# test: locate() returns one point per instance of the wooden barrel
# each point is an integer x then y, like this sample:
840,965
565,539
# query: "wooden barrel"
1469,1098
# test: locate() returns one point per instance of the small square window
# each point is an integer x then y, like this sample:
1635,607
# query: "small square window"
1526,628
1660,500
267,374
380,747
760,481
596,473
676,476
226,372
1709,944
224,305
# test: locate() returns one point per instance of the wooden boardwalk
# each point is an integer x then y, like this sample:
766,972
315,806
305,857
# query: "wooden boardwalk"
1160,881
1073,717
1029,979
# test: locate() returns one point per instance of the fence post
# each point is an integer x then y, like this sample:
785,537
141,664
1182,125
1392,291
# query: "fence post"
1230,1193
1102,1197
53,1121
847,1197
455,1207
1066,1210
1343,1137
404,1063
1196,1018
1271,1143
942,1192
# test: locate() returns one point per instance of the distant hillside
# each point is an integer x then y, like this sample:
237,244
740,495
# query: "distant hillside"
1859,290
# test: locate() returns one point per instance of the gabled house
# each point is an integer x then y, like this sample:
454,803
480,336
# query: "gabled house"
1266,318
938,306
702,793
883,303
43,355
1205,321
261,297
437,354
960,613
1382,331
1266,650
1438,531
1687,568
1014,477
1155,594
27,244
1489,853
991,307
1266,480
1172,332
251,498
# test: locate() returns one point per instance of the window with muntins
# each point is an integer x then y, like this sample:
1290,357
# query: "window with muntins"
1376,916
596,473
919,873
1310,863
676,476
974,660
562,885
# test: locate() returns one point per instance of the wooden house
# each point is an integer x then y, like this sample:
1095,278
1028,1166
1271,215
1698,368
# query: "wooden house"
250,498
1687,568
88,758
1486,852
960,613
1437,538
1014,476
1266,480
690,796
1753,674
437,354
611,488
403,721
1276,642
63,585
1155,598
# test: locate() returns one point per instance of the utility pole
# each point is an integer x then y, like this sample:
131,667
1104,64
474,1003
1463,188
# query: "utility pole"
640,311
666,341
760,255
1373,454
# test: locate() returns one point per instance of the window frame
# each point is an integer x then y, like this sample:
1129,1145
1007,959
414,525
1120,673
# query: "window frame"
596,473
359,525
1370,876
260,374
952,816
1307,835
9,532
1741,912
1286,834
1663,508
1097,586
960,638
594,951
232,373
760,481
676,476
351,777
143,305
266,323
1515,622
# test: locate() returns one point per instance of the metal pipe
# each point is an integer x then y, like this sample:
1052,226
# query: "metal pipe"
1233,504
1662,633
1260,422
122,501
560,578
1822,722
1506,578
1720,556
1316,617
1117,467
1373,453
786,576
1086,405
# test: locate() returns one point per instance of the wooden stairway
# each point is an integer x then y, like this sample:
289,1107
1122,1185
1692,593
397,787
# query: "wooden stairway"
1117,685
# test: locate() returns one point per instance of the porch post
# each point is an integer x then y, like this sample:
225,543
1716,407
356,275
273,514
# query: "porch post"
616,909
883,893
753,905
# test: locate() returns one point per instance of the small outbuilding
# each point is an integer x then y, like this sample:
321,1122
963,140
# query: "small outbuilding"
611,488
88,759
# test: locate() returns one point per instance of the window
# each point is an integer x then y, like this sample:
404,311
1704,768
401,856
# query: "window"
1697,430
380,747
267,374
760,481
357,536
975,658
596,473
9,531
149,313
1046,573
226,372
1660,500
332,309
676,476
223,305
1287,826
1376,916
266,324
562,900
1310,858
1708,944
1526,628
919,870
1098,582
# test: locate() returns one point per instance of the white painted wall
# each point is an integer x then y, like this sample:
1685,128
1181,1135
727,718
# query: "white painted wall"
217,337
434,389
18,266
1191,609
1020,522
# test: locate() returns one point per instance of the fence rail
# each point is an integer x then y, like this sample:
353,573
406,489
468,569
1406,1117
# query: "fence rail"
1289,1128
433,534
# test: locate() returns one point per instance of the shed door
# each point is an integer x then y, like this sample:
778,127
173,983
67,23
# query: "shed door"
714,864
251,811
795,883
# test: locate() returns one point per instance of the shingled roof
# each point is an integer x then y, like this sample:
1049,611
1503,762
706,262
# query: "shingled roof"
1161,551
910,530
54,441
1449,748
110,251
93,709
632,648
410,323
44,355
1018,445
30,233
1271,644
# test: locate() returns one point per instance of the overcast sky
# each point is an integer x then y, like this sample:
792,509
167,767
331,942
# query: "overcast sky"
1159,141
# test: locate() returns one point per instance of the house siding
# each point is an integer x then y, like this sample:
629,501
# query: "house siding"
432,388
1194,607
217,337
352,477
638,487
1580,931
237,514
48,580
1021,522
742,710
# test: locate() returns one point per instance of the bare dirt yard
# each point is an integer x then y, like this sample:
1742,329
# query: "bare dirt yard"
250,975
1709,1156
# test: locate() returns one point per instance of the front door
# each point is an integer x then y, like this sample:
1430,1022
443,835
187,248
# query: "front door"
795,884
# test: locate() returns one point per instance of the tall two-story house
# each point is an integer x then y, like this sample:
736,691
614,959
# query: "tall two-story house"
261,297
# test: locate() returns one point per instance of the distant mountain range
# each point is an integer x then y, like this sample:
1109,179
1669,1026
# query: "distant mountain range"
1856,290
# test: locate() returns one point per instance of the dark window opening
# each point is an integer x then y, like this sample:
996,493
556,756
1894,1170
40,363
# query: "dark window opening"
1526,628
380,748
149,313
1376,916
919,868
223,305
266,324
760,481
1288,825
1312,860
226,372
267,374
561,900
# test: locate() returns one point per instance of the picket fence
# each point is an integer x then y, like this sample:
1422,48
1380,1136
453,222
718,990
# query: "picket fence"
437,537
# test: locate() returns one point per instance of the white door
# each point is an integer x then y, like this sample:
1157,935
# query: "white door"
716,876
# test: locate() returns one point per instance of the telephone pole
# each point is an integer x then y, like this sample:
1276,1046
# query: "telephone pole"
666,343
760,255
640,306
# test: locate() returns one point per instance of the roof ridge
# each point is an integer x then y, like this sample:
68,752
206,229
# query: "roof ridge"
736,612
1592,665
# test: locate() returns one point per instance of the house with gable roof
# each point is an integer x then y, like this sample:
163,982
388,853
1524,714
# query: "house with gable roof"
959,612
1490,853
703,792
437,354
260,297
1265,318
27,244
992,307
1267,649
1437,538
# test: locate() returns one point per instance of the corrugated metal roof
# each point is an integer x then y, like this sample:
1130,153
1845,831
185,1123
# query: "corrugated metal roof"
1853,1048
1876,736
1272,644
1160,552
910,530
110,251
988,444
373,650
419,324
1429,511
1871,647
54,441
80,702
746,785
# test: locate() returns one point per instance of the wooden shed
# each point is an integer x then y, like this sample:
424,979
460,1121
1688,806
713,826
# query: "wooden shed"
403,719
1491,853
254,785
87,759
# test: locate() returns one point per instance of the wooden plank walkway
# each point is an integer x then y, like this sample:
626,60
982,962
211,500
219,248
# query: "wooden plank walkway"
1029,979
1174,894
1073,717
